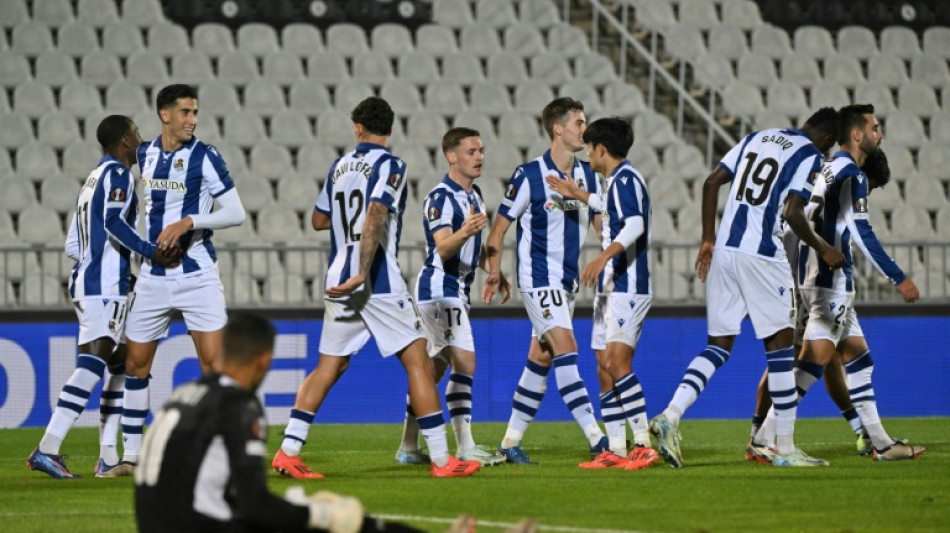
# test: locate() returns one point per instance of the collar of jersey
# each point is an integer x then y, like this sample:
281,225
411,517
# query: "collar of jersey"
798,132
843,153
551,164
366,147
451,184
624,163
158,143
108,158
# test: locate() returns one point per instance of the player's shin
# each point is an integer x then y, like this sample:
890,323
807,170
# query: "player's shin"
526,401
862,396
72,401
134,411
110,413
784,397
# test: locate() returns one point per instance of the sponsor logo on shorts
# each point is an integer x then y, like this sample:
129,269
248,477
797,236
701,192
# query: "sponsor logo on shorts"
449,335
547,314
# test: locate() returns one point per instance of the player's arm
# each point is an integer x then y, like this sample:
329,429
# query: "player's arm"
716,179
319,220
448,242
119,191
72,247
492,254
794,213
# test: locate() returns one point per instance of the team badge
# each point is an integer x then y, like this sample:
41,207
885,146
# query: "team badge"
580,183
448,335
179,164
112,326
395,180
117,194
547,314
861,205
434,213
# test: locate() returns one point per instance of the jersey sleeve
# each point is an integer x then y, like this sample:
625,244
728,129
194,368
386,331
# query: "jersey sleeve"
439,212
120,195
626,198
243,426
215,172
390,182
863,234
805,167
517,196
72,248
730,161
323,199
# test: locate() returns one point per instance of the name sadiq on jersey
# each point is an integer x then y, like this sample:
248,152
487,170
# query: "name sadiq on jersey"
778,139
353,166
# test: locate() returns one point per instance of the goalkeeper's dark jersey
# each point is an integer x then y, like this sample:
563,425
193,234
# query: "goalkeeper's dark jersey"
202,465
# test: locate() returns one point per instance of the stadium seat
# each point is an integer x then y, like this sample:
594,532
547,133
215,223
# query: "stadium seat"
943,223
477,120
243,289
824,94
14,69
917,98
283,67
654,16
887,69
519,129
290,129
236,67
584,92
243,128
215,39
15,130
644,159
258,263
55,69
297,193
667,191
142,12
125,98
568,40
372,67
346,39
6,166
193,68
280,224
508,69
493,14
97,13
671,286
264,97
937,41
452,13
757,69
742,99
531,97
686,43
624,99
166,38
462,67
741,14
350,93
301,39
59,194
877,94
77,38
930,70
37,290
334,127
18,194
257,39
490,98
39,224
147,68
525,40
79,99
538,13
286,289
713,71
80,157
901,163
857,41
900,41
843,69
31,39
480,40
425,128
402,95
501,159
940,127
700,14
100,68
771,119
270,161
493,190
771,41
234,235
925,192
728,41
684,160
418,163
391,39
801,70
904,129
933,159
217,98
13,13
232,155
327,68
17,266
813,41
417,67
910,222
662,229
436,40
309,98
57,129
7,234
654,128
33,99
550,68
122,39
306,262
255,192
595,68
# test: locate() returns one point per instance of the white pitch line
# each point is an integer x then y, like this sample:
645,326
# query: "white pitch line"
478,522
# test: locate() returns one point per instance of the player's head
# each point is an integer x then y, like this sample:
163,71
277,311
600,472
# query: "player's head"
373,116
119,137
464,151
859,128
822,126
877,170
611,136
564,119
248,345
177,107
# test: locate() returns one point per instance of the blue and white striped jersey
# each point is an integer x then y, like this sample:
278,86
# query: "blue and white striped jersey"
447,206
367,174
846,221
626,197
102,233
551,229
765,167
175,185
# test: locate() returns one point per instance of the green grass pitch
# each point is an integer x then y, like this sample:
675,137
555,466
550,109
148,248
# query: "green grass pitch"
716,491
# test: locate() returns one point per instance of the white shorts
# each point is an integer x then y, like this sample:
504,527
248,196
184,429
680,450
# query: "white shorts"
391,319
624,317
549,309
100,318
446,323
831,316
598,334
740,284
199,297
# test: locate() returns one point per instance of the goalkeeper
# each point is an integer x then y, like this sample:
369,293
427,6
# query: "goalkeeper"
202,466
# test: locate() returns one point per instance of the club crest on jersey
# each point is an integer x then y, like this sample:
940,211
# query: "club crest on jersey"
434,213
547,314
580,183
395,180
117,194
861,205
179,164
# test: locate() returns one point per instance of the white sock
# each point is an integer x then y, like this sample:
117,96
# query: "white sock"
72,401
614,422
698,374
574,393
634,407
862,396
432,427
527,399
458,397
295,434
784,395
110,413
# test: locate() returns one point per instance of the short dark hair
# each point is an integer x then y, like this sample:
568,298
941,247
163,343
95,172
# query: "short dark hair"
852,116
375,115
825,120
246,336
454,136
875,167
557,111
111,130
171,93
613,133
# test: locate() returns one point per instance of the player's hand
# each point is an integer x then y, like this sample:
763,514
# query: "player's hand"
347,287
703,260
565,187
832,257
169,236
504,287
908,290
492,286
169,257
592,271
475,222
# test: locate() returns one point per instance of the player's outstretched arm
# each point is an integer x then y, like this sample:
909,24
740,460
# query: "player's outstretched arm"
794,213
493,248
